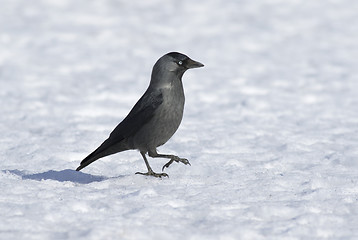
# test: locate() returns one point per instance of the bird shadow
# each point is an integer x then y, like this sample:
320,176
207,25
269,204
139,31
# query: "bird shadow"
67,175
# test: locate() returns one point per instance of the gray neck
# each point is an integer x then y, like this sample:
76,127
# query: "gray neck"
162,78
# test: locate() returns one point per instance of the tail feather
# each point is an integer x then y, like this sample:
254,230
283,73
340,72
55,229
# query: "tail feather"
104,150
88,160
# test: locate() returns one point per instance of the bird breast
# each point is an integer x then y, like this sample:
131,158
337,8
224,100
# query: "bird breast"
166,120
169,114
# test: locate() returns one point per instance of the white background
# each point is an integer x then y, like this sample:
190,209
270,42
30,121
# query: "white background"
270,124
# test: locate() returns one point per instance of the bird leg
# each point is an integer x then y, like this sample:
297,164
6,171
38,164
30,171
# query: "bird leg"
172,159
150,171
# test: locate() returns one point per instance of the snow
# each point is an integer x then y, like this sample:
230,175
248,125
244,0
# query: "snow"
270,124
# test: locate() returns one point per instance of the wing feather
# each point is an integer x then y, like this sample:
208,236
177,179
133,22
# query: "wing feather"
142,112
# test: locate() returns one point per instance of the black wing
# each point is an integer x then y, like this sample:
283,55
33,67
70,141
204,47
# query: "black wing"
141,113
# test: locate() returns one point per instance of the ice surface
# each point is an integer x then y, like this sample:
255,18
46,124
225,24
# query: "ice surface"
270,124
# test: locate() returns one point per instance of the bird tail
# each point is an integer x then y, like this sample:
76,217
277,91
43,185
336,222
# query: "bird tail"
88,160
106,148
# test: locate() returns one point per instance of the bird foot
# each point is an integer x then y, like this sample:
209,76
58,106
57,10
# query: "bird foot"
151,173
177,159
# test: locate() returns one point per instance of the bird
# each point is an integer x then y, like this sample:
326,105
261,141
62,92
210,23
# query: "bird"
154,118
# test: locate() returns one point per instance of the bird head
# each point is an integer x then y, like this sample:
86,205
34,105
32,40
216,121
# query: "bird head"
172,64
180,62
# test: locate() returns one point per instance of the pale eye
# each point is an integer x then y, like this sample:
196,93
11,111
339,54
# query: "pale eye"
180,62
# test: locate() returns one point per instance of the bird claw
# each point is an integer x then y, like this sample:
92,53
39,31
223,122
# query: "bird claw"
167,164
159,175
185,161
177,159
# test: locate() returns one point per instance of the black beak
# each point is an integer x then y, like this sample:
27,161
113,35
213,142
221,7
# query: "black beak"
193,64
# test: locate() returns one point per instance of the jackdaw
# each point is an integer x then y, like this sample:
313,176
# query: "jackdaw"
154,118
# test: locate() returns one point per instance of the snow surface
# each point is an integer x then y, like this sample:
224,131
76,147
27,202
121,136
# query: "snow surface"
270,124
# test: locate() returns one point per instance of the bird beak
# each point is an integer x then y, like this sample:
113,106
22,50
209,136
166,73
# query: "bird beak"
193,64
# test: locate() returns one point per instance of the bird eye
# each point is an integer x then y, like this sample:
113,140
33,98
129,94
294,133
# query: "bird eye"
180,62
